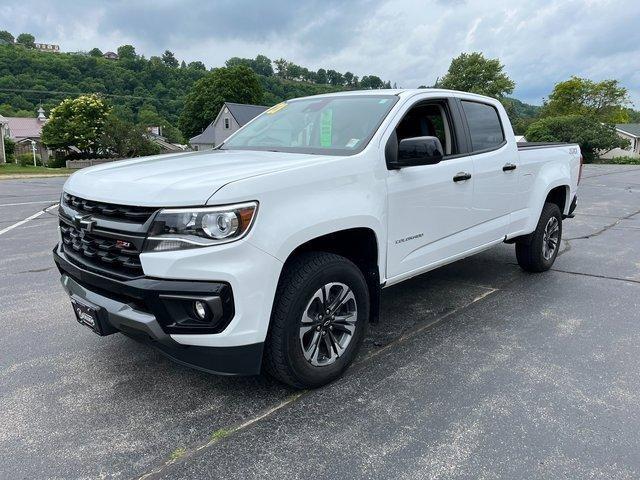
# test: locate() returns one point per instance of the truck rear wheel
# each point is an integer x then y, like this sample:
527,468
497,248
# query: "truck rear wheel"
539,250
319,320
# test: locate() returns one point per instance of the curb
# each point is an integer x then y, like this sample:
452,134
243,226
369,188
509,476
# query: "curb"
34,175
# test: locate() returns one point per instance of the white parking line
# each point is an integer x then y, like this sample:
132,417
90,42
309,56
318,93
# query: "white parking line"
22,222
25,203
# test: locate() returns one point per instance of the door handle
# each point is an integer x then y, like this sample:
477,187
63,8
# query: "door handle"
461,176
508,166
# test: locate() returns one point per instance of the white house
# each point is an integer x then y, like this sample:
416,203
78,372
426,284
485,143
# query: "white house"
231,117
631,132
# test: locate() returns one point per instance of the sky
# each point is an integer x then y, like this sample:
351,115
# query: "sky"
409,42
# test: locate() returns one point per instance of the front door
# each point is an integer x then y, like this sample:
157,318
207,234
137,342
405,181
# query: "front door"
429,206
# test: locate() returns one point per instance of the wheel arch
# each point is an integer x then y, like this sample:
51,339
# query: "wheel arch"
359,245
560,196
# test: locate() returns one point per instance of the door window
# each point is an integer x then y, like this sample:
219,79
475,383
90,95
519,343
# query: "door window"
428,120
484,125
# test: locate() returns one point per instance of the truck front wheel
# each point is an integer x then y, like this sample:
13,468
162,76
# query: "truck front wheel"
319,320
538,251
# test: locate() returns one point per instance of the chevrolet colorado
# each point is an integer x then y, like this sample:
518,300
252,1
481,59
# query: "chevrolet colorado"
269,252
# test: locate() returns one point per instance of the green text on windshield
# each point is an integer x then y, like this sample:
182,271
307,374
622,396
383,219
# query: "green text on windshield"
335,125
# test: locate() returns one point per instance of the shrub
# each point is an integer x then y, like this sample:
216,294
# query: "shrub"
9,149
588,132
57,161
26,159
623,160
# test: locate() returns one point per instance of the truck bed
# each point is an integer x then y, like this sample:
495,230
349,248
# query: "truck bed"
533,145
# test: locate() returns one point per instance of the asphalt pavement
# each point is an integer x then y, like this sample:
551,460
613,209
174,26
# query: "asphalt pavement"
476,370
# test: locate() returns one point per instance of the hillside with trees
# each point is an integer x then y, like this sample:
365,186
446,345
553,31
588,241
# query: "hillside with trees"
183,98
145,91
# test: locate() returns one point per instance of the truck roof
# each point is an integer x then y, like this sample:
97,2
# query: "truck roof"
401,92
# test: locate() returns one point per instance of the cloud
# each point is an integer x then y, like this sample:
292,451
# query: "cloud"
410,42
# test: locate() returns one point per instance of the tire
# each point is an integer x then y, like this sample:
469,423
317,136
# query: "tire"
299,319
539,250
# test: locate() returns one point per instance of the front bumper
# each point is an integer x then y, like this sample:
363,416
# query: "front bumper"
134,307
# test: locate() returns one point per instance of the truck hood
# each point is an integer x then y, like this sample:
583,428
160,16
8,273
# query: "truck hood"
183,179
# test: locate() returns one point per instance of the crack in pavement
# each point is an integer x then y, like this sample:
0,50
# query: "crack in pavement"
613,173
357,364
603,229
605,277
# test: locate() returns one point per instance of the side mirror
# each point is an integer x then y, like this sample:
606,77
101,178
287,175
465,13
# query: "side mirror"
419,151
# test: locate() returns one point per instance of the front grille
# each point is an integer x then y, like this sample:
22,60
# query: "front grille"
117,212
103,252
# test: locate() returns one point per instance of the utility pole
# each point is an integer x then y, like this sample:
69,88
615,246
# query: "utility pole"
33,149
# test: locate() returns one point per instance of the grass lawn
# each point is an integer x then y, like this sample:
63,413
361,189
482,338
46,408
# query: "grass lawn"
619,161
13,169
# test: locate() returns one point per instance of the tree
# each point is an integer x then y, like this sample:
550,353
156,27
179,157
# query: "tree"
281,67
633,115
26,39
321,76
371,82
77,122
123,139
606,100
95,52
197,65
169,59
229,84
294,71
592,135
348,78
9,149
471,72
183,64
6,36
262,66
127,52
335,78
235,61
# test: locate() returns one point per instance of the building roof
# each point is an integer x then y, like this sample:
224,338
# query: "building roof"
629,128
24,127
244,113
207,137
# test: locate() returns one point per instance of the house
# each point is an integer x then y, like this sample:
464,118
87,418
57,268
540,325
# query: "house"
154,135
24,131
628,131
231,117
111,55
47,47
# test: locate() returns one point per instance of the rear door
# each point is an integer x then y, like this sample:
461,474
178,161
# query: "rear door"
495,176
429,206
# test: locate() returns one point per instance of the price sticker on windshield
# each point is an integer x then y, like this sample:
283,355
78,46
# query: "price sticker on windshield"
276,108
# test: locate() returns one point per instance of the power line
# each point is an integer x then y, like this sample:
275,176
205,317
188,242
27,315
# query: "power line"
58,92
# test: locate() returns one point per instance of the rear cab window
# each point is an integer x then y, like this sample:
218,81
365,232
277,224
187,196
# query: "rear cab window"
485,127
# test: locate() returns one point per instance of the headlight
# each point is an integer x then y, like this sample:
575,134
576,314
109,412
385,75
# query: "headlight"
180,228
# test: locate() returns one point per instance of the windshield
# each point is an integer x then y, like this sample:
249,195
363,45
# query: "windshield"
340,125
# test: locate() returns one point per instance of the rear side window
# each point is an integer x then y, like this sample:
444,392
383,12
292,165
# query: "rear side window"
484,125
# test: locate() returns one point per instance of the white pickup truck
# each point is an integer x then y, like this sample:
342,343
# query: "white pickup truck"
269,252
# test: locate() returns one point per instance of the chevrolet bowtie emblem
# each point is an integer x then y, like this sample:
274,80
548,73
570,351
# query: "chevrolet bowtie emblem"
85,223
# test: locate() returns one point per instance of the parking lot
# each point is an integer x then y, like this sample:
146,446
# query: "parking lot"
475,370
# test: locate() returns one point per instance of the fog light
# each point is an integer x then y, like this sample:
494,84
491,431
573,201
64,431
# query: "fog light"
201,309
